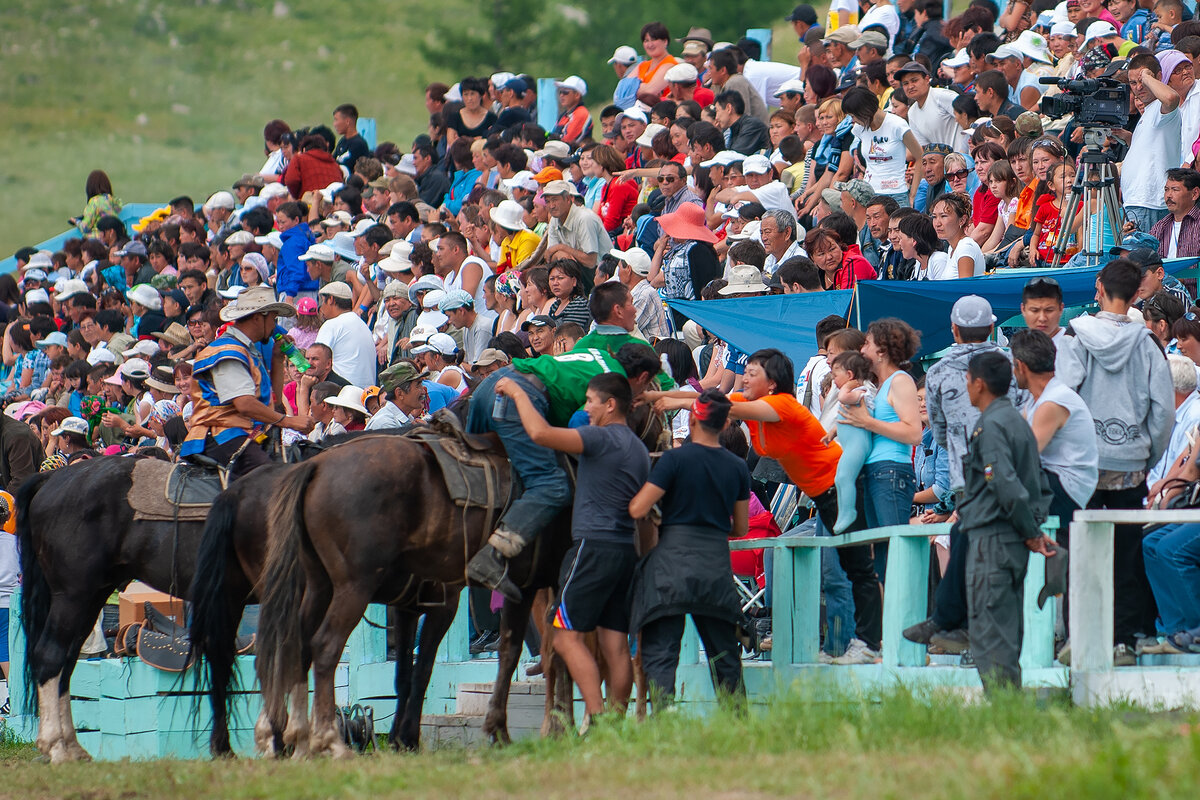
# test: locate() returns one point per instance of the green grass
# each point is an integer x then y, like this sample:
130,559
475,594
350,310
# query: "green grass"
901,746
170,98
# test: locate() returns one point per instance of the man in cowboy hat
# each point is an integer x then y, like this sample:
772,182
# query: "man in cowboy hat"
405,396
231,385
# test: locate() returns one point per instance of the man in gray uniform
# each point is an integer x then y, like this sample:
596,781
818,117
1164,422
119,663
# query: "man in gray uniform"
1005,499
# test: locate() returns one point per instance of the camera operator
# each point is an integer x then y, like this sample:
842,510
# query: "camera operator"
1156,141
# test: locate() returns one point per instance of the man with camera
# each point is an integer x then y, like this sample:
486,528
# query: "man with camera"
1156,140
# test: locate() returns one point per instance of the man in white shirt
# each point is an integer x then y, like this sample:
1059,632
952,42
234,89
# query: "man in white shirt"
767,76
402,385
1187,415
651,316
931,115
761,187
346,335
476,327
1156,140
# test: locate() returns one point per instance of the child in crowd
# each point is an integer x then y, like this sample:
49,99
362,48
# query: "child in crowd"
1048,220
853,377
1003,184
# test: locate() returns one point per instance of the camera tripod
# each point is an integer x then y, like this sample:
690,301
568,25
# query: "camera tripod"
1095,184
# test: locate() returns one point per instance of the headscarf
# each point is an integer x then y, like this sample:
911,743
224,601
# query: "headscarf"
509,284
164,410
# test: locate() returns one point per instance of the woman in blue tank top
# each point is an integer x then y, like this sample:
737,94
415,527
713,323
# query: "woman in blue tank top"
889,480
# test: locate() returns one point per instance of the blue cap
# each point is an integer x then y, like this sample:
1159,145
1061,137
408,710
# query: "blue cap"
517,85
1135,241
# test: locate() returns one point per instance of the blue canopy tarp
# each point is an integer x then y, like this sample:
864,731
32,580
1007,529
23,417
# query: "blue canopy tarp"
131,213
788,322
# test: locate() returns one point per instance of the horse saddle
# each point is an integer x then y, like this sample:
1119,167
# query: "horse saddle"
475,468
160,642
162,491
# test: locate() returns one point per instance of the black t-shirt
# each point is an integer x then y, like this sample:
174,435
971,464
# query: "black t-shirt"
509,117
612,469
349,150
456,123
702,485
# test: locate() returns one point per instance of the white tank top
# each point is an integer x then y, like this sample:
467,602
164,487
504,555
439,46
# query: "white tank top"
1071,454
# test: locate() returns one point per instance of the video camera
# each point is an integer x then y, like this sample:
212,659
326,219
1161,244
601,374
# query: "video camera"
1097,102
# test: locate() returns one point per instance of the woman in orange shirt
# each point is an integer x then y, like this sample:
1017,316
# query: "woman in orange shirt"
783,429
653,71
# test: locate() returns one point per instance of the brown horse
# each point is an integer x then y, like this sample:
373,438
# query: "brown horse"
404,526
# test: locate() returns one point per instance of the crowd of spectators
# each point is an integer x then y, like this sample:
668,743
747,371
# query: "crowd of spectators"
899,147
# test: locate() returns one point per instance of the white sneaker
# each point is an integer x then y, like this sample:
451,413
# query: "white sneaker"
824,658
857,653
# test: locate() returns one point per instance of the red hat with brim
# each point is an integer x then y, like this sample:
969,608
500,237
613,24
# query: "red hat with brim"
687,224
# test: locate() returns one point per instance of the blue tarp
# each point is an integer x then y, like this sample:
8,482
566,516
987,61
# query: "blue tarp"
130,214
789,321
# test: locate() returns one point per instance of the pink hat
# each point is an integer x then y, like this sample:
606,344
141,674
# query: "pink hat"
306,305
687,224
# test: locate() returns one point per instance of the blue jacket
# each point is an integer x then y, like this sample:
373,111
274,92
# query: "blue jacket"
291,275
463,182
1135,27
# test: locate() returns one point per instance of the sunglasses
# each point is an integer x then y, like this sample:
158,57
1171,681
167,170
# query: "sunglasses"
667,178
962,173
1042,281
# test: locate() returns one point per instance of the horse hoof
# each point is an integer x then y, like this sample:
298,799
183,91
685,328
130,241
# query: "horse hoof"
60,754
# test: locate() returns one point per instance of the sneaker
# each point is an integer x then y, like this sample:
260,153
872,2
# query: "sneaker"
1123,656
483,641
824,658
953,642
1172,646
492,645
922,631
5,709
1064,655
857,653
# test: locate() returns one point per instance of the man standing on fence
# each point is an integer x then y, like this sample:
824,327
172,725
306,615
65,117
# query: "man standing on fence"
1004,501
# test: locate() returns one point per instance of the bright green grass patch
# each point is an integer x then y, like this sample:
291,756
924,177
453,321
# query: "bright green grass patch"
903,745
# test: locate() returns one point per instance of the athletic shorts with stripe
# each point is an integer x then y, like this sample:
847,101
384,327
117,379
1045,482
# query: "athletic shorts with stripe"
594,587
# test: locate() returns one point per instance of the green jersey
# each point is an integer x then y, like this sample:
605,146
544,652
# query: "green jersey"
566,378
612,342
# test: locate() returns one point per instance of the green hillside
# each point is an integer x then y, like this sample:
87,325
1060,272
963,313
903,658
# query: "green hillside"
172,97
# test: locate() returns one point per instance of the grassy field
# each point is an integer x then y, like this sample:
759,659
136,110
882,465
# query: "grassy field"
171,98
902,746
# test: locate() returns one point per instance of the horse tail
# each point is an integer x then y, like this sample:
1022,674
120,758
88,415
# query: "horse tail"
35,588
279,648
213,630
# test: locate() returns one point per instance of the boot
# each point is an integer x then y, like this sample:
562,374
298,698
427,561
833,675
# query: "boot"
489,568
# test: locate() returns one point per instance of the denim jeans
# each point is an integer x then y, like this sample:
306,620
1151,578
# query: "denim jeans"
1173,566
546,490
1145,217
890,486
839,599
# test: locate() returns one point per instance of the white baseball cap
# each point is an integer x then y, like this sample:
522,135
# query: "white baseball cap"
146,295
636,258
623,55
1098,29
77,425
273,238
574,83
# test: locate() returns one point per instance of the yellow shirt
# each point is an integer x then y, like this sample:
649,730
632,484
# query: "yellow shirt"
516,248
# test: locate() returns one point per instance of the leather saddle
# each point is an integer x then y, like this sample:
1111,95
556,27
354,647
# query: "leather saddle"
160,642
162,491
476,470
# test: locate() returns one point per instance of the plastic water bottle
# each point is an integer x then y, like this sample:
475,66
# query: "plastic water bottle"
291,352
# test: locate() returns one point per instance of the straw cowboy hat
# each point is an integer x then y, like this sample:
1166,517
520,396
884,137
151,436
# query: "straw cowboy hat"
687,224
256,300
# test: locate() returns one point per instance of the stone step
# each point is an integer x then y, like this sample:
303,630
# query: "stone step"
526,701
466,730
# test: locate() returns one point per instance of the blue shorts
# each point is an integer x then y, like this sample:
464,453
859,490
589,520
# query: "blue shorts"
3,635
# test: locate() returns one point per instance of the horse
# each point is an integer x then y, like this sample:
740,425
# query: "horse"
219,595
79,543
365,557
